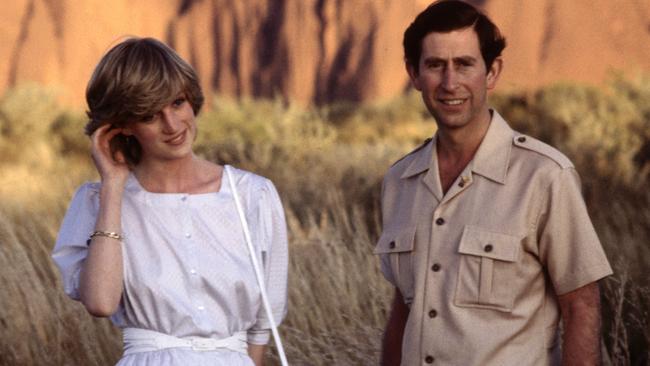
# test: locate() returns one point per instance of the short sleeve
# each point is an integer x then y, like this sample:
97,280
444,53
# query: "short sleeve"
71,245
386,269
384,258
269,233
569,245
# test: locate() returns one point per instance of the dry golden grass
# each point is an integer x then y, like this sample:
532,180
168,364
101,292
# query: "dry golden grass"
327,164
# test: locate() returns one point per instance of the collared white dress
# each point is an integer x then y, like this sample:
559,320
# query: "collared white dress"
187,271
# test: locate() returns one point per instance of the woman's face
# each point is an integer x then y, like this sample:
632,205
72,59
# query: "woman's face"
167,135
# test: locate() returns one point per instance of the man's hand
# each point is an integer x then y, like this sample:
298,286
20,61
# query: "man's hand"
581,319
391,354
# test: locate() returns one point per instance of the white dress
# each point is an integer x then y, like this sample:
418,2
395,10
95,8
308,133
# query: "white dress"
187,271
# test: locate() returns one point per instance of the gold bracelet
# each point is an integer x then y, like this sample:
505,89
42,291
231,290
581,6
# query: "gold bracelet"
108,234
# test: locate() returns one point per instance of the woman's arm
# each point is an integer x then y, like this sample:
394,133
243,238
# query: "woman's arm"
100,284
256,352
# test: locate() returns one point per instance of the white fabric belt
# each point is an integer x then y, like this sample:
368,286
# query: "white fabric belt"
142,340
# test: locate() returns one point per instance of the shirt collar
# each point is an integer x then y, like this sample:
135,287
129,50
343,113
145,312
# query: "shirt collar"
491,159
422,160
493,156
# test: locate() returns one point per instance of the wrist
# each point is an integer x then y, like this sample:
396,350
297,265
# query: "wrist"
113,185
110,194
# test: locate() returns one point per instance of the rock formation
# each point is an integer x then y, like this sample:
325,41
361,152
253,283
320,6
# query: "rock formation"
311,50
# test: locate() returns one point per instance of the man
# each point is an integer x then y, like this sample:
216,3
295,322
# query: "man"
485,236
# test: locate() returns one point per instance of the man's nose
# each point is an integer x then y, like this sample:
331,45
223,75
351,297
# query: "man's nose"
449,79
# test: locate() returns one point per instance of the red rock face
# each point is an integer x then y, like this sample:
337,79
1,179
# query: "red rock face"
311,50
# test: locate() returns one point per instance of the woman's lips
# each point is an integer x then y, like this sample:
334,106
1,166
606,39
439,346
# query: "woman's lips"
178,139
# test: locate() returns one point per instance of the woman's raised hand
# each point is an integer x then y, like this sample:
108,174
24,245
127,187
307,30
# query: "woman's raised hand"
111,169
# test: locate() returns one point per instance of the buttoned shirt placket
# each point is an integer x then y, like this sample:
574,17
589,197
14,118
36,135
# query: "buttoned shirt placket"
192,269
432,302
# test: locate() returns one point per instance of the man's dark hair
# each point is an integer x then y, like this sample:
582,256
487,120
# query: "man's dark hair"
450,15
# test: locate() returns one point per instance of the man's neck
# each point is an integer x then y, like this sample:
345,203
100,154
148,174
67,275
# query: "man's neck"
455,148
459,144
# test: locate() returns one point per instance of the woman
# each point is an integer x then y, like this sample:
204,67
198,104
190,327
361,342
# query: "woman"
158,245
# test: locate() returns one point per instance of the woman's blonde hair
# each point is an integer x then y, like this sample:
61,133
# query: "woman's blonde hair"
132,82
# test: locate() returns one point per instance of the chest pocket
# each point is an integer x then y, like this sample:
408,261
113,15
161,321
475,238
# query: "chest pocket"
396,248
487,269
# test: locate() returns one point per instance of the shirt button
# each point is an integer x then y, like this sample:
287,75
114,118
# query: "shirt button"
184,198
435,267
192,271
488,248
188,235
392,245
440,221
521,139
433,313
461,184
429,359
201,307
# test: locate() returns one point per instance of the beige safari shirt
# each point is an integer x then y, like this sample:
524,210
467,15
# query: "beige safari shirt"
481,266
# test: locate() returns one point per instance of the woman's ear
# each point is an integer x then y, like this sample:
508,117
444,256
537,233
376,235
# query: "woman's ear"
127,131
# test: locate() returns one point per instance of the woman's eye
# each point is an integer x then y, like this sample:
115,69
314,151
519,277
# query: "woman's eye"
147,118
178,101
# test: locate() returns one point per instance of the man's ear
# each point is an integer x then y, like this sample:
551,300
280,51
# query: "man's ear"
494,72
414,76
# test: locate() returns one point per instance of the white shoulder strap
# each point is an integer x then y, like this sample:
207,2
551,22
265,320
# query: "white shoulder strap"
256,266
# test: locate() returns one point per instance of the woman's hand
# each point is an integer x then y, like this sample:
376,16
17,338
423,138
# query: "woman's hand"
111,169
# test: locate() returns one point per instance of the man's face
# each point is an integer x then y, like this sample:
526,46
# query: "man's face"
453,79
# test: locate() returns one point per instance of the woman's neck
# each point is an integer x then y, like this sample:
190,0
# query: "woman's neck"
174,176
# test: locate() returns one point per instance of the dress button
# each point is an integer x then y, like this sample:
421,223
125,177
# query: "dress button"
188,235
440,221
435,267
488,248
391,245
521,139
429,359
433,313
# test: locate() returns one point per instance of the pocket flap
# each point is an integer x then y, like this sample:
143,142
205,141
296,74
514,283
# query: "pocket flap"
396,241
484,243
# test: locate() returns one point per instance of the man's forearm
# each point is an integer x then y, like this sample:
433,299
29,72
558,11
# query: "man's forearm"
581,320
391,354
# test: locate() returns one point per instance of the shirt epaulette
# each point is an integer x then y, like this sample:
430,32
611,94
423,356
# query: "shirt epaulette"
529,143
413,151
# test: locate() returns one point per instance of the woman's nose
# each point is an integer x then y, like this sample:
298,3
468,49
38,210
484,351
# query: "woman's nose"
170,120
